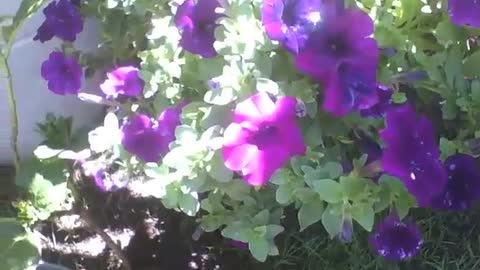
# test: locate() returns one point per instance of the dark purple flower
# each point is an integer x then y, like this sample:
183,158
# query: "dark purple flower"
63,20
342,37
412,154
123,81
149,140
63,73
396,240
464,12
342,56
463,185
262,138
291,21
197,22
384,102
142,138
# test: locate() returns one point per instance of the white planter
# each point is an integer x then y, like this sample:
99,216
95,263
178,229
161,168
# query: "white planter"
33,98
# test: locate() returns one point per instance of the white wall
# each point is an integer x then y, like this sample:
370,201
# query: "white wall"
33,98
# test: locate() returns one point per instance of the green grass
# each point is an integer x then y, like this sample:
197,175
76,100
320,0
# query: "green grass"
451,242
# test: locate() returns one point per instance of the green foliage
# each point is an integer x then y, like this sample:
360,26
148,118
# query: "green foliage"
192,176
18,247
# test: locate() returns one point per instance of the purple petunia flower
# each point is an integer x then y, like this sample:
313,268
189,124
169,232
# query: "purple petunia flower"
464,12
384,102
63,73
463,186
412,154
396,240
123,81
291,21
262,138
63,20
141,138
197,22
341,37
149,140
342,56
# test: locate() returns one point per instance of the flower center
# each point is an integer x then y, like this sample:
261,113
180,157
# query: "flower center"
337,45
205,27
263,137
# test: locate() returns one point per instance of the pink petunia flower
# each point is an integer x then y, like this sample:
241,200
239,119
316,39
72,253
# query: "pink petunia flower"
263,136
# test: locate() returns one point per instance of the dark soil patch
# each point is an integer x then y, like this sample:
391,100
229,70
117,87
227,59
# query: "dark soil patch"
151,237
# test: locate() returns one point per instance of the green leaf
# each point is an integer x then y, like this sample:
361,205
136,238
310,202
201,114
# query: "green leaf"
280,177
189,204
310,213
154,171
259,247
355,188
236,231
399,97
447,148
19,249
216,115
449,110
475,86
261,218
217,170
220,96
45,152
260,231
448,32
471,65
403,203
172,196
212,223
334,169
313,135
236,189
111,4
331,222
273,230
365,216
267,86
283,194
329,190
186,135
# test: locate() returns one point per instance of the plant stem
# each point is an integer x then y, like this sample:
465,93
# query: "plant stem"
12,104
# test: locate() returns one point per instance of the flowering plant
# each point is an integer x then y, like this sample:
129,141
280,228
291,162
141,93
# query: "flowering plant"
232,111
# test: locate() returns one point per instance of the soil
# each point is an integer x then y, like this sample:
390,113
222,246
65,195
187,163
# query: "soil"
151,237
